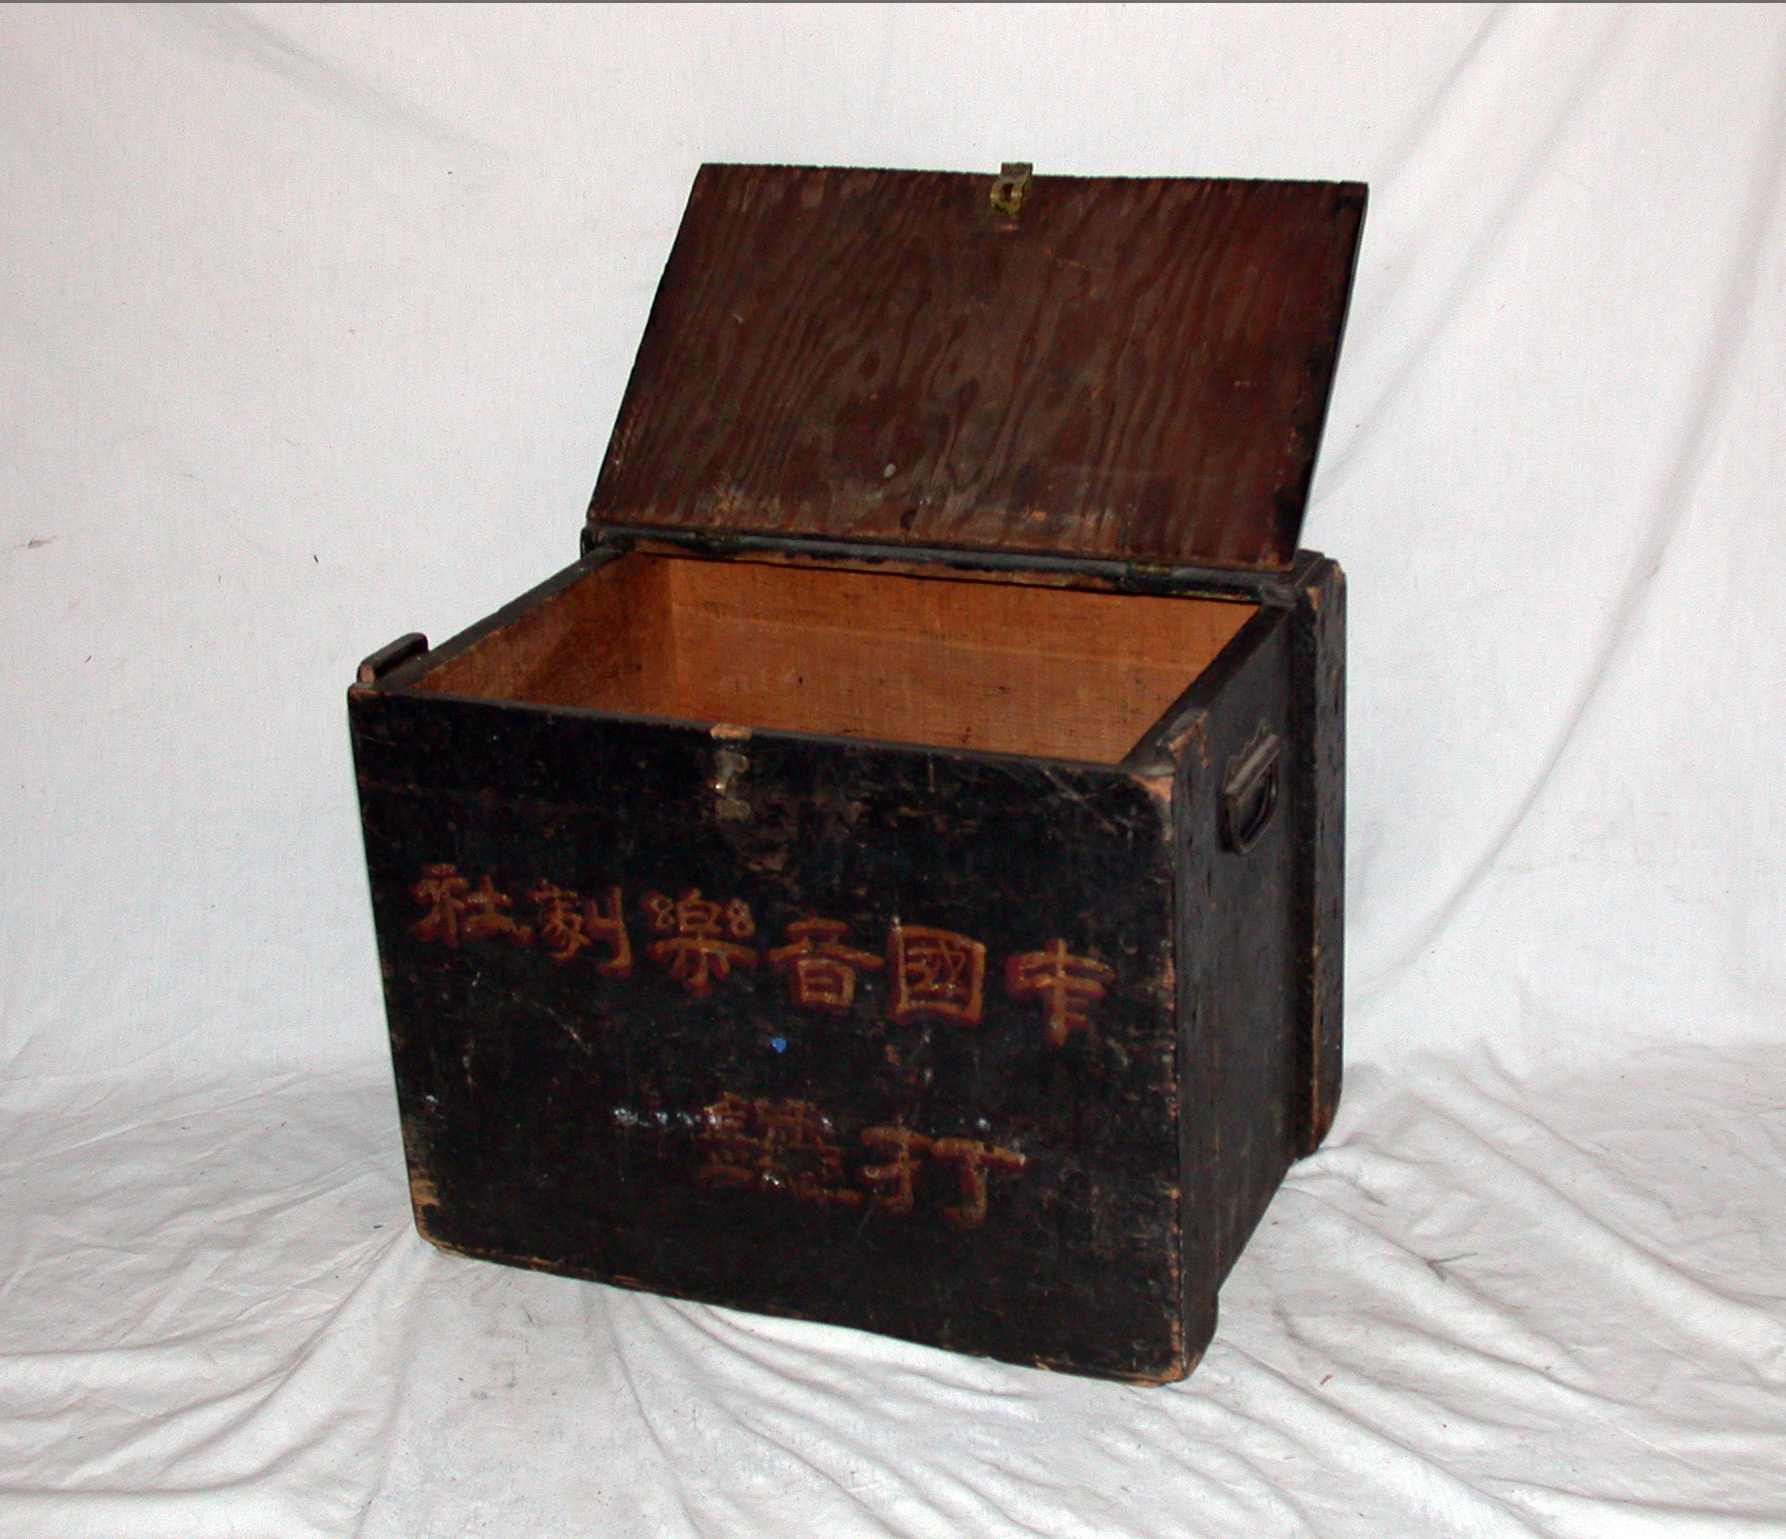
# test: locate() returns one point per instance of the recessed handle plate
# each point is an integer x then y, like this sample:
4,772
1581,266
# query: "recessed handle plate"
1250,792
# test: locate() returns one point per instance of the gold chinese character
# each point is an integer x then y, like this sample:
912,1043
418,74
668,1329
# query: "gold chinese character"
457,911
903,1153
1068,986
773,1146
971,1161
443,890
821,970
731,1146
603,921
696,954
484,915
805,1146
560,925
567,929
934,973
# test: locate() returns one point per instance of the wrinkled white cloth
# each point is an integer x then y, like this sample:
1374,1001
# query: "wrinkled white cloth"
312,324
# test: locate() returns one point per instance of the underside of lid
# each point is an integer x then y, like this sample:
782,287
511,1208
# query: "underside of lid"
1129,369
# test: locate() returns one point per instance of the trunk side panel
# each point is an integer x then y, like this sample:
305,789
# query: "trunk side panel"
1238,991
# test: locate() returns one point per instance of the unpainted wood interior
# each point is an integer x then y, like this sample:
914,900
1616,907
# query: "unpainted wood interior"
1005,667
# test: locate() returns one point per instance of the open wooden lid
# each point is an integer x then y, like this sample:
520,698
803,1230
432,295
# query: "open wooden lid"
1130,369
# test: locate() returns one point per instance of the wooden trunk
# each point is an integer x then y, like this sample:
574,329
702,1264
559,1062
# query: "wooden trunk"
893,878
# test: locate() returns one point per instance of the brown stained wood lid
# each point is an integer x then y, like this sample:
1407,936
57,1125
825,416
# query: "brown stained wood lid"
1133,369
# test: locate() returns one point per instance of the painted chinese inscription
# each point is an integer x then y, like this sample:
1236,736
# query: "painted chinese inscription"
566,928
932,974
1068,987
457,911
903,1153
973,1162
763,1145
780,1144
935,973
703,945
821,970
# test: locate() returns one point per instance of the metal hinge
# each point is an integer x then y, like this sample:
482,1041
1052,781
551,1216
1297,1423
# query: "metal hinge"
1010,187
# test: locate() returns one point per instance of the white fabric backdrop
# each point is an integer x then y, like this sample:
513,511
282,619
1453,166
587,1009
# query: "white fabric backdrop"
314,323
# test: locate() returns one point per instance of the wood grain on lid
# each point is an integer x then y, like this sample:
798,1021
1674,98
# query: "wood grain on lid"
1134,369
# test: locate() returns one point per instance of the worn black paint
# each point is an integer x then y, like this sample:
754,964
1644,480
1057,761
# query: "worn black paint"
550,1115
518,1077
